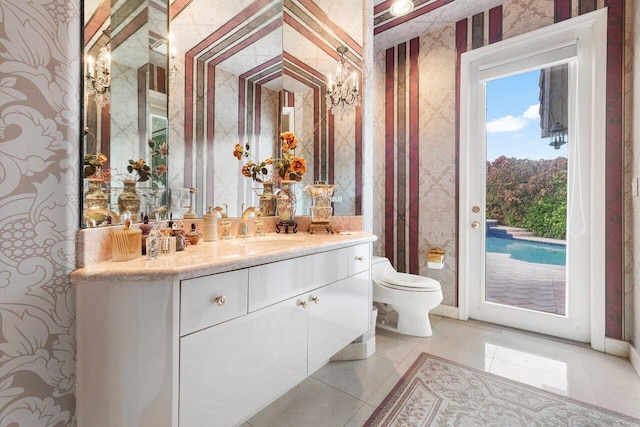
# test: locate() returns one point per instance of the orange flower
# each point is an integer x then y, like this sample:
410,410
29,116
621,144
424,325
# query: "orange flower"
247,170
299,165
268,161
102,158
160,170
238,151
289,141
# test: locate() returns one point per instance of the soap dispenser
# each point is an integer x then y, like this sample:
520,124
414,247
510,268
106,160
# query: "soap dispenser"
210,225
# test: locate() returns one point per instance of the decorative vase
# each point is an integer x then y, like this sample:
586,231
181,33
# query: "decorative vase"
96,198
129,200
96,202
321,195
267,200
286,202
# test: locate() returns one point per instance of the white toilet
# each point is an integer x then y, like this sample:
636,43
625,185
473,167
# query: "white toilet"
403,300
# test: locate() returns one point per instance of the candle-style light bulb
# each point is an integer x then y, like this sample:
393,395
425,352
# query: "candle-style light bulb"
90,64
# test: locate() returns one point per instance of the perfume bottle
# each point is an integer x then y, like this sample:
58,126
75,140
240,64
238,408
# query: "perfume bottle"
153,244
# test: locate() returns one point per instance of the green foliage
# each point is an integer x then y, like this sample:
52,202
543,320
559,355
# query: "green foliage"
529,193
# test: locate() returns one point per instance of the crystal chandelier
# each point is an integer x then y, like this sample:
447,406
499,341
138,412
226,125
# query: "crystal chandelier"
342,92
98,80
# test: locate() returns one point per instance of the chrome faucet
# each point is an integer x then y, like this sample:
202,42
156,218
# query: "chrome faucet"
243,228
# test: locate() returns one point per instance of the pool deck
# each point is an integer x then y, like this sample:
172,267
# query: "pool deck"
523,284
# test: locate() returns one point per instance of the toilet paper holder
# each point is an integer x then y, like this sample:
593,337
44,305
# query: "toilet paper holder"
435,258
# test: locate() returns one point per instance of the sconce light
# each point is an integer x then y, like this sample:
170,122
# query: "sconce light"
401,7
98,79
558,136
342,91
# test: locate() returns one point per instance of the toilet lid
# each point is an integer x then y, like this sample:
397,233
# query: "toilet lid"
413,282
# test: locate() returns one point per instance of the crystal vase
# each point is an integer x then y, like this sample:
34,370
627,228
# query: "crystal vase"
321,195
286,202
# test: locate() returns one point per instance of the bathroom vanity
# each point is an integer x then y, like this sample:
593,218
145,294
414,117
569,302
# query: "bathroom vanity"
212,335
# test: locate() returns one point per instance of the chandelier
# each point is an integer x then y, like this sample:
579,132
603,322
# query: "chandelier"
98,80
342,92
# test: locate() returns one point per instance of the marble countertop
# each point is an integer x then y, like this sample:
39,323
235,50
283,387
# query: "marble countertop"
217,257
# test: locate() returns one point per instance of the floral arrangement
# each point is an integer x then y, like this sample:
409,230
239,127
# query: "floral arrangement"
257,171
288,167
93,165
143,170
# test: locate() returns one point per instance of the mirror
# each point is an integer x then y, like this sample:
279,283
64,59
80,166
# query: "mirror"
243,71
248,83
125,109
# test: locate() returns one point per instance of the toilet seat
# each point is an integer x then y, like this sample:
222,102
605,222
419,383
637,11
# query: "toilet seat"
409,282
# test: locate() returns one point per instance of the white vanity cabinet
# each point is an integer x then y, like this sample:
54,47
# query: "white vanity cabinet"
213,350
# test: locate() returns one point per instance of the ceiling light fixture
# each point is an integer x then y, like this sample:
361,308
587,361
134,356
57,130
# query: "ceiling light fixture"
342,90
401,7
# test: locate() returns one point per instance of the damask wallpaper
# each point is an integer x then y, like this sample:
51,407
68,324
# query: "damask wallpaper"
39,134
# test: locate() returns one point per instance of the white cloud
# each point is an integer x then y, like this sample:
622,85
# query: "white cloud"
512,124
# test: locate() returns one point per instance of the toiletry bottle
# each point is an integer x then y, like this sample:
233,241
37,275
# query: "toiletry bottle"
153,244
210,225
146,229
193,235
178,233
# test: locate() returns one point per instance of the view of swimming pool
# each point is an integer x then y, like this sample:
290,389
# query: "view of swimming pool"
529,251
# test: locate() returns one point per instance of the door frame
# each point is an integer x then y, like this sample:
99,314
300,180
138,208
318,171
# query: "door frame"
589,33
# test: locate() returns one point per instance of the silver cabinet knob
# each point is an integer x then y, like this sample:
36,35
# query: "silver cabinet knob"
220,300
303,304
316,300
475,224
359,258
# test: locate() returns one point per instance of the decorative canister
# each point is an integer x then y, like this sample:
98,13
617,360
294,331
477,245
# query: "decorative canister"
129,200
267,200
286,202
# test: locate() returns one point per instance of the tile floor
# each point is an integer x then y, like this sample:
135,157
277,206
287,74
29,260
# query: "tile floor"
346,393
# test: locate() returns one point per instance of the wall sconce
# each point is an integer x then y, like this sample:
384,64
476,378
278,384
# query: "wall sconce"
342,91
558,136
98,76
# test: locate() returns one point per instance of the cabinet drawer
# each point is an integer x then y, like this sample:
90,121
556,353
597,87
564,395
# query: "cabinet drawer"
272,283
359,258
209,300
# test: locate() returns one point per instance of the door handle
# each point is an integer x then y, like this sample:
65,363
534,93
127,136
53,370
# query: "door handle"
475,225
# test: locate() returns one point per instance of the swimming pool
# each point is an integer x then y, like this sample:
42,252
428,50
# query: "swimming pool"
529,251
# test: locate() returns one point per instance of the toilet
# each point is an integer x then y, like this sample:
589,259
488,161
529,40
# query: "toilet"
403,300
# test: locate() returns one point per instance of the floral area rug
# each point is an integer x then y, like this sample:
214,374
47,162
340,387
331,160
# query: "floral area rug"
437,392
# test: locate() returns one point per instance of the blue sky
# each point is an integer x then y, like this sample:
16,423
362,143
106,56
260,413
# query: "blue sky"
513,123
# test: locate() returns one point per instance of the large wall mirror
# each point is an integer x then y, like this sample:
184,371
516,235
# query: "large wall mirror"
239,72
125,110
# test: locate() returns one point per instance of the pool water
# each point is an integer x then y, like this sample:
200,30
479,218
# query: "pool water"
528,251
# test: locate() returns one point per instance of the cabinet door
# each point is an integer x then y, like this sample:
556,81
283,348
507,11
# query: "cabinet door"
230,371
338,314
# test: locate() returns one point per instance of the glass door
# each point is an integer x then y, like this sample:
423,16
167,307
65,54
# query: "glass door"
526,190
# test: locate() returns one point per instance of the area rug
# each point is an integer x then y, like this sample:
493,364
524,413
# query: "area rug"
438,392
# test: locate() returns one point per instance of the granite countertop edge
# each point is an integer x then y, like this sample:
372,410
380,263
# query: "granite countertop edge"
202,259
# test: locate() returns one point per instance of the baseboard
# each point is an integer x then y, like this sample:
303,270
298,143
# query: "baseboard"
616,347
446,311
634,357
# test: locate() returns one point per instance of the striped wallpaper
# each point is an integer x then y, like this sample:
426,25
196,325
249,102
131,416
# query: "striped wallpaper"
404,222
